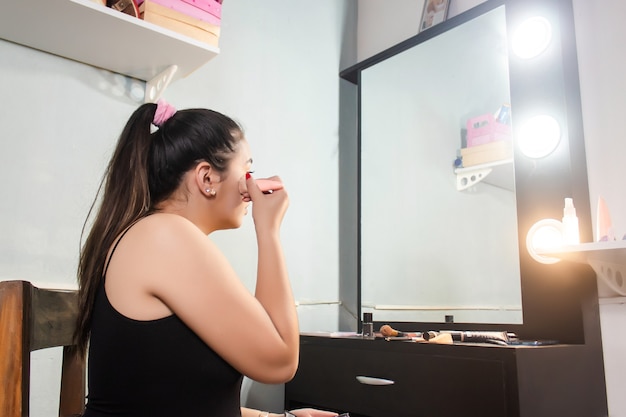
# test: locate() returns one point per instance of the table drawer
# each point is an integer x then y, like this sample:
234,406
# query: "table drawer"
411,385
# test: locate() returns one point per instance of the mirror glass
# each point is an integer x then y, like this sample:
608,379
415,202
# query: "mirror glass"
431,252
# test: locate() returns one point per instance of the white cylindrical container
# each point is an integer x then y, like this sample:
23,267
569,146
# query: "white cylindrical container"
571,235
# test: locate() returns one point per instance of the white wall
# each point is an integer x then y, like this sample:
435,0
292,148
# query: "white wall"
600,33
277,74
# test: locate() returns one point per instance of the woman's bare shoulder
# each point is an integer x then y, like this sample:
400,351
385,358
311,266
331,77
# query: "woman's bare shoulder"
154,250
164,245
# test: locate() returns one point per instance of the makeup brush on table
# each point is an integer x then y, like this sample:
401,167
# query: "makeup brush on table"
388,331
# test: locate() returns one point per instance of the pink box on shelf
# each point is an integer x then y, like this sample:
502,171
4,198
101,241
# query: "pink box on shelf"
186,7
484,129
210,6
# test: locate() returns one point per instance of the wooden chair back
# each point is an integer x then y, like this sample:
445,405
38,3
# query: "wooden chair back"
34,318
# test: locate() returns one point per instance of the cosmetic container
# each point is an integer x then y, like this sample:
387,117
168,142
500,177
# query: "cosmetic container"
571,234
368,326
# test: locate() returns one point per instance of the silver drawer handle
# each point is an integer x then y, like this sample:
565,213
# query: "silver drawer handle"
368,380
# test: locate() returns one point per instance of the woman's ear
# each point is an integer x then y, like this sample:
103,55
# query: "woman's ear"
206,178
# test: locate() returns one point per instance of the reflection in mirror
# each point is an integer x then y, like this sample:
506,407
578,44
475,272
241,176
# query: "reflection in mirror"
431,252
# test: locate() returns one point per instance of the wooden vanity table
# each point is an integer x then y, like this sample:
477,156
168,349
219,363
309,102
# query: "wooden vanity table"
460,380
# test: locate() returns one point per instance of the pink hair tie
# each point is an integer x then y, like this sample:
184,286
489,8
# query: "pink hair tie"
163,112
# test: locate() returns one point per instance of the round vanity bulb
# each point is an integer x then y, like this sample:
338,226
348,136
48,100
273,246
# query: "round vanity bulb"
539,136
531,37
544,235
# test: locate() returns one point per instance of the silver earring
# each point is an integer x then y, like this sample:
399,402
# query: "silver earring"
210,192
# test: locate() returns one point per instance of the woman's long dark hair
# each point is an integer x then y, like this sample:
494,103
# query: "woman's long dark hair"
145,169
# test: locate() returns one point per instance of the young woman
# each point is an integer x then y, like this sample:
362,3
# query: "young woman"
168,326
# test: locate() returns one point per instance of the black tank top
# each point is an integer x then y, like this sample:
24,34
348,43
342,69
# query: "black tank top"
155,368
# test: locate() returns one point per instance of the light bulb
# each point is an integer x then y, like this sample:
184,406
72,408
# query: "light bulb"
531,37
543,236
539,136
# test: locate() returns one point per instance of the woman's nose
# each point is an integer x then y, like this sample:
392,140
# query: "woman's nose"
243,188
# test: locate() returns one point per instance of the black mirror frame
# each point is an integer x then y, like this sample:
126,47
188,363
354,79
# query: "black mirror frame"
559,300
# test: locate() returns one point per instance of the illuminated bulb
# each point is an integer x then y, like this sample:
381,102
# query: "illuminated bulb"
539,136
532,37
543,236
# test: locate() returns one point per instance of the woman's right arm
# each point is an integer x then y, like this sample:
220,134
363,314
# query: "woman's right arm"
273,289
190,275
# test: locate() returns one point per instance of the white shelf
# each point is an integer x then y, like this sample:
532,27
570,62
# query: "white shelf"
614,252
608,260
498,173
90,33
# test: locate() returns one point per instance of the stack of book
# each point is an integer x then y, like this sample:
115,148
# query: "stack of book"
197,19
498,150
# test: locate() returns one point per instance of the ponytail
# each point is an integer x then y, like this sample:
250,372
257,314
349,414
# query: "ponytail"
126,199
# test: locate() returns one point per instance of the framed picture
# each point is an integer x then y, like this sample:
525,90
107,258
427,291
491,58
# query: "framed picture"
435,11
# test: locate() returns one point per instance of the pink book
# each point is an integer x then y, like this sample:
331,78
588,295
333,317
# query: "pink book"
209,6
206,10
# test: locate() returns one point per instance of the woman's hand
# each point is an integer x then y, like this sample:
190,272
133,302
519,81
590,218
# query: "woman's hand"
311,412
268,208
301,412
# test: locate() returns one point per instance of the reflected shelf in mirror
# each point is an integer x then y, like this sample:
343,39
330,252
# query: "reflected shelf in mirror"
497,173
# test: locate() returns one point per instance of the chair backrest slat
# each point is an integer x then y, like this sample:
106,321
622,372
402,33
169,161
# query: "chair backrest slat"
14,332
54,314
34,318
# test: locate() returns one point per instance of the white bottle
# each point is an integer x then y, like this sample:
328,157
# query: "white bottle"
571,236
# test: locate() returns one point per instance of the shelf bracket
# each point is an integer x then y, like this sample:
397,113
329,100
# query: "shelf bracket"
614,275
157,85
465,180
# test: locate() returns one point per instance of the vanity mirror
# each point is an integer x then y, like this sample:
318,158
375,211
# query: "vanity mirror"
437,252
428,249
